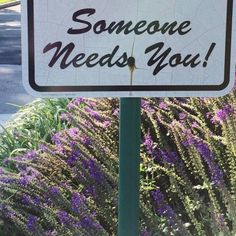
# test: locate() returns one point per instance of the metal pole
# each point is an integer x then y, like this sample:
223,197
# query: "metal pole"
129,167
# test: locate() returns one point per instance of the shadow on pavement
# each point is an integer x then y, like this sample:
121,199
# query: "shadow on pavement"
10,37
11,87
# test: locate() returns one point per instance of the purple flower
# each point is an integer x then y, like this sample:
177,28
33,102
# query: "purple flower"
78,101
220,221
36,200
93,113
2,171
56,138
73,144
64,117
165,156
88,223
28,176
6,161
71,106
147,106
7,180
223,114
90,191
43,147
10,214
182,116
94,170
148,143
207,155
77,202
86,141
92,103
163,106
73,133
163,209
31,222
61,149
73,158
25,199
66,185
5,211
19,158
194,125
54,191
169,157
31,155
116,112
64,218
106,124
208,115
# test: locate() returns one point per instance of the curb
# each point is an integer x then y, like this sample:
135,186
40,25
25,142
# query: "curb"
10,4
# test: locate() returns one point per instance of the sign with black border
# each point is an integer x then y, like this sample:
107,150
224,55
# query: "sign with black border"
171,90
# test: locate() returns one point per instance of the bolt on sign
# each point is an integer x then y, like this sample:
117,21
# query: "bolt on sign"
120,48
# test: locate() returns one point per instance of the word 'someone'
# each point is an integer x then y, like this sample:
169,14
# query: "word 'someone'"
122,27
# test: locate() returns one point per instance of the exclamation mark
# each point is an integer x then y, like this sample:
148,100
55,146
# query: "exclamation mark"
209,54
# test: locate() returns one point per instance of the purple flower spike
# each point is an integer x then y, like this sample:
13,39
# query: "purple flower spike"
148,143
163,209
64,117
182,116
203,149
64,218
86,141
73,132
73,158
116,112
223,114
94,170
90,191
78,101
147,106
56,138
93,113
25,199
77,202
31,222
88,223
2,171
71,106
31,155
28,176
6,161
169,157
163,106
54,191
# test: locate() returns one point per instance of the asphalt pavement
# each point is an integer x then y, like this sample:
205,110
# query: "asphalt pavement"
11,87
10,36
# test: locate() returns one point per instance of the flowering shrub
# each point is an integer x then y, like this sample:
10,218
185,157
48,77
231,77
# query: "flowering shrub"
188,172
33,124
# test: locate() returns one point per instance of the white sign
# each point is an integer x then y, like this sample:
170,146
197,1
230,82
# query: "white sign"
120,48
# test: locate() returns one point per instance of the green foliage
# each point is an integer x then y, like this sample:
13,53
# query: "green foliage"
188,170
32,125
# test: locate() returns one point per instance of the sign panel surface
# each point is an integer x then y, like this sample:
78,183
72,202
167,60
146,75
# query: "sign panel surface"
120,48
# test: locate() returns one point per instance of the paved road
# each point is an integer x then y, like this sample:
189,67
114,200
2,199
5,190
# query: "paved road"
11,88
10,38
